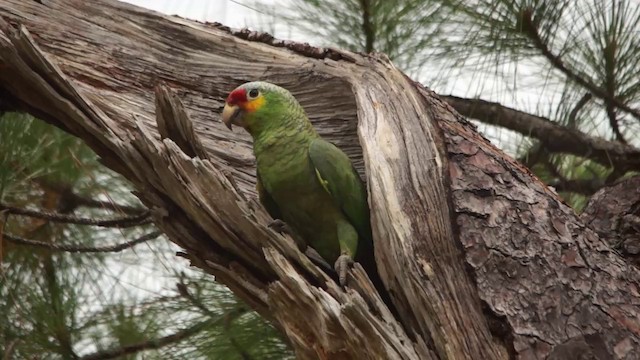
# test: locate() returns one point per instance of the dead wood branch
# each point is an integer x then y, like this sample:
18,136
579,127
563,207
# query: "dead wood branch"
481,260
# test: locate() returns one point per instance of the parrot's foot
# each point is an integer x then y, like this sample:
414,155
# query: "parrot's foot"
342,265
315,258
279,226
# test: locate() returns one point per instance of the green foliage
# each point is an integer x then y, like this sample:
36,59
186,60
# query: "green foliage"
33,150
60,305
402,29
595,41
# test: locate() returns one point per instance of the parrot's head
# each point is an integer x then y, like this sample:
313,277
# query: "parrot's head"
260,106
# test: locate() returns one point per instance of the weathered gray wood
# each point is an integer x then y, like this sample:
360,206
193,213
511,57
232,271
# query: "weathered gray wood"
174,123
482,260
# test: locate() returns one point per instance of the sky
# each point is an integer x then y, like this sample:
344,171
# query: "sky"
235,14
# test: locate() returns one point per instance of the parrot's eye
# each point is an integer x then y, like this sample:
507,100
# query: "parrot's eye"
253,93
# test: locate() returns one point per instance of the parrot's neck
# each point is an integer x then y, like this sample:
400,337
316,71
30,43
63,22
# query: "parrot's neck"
282,145
296,135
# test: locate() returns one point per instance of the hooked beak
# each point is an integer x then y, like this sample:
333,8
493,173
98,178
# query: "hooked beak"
231,115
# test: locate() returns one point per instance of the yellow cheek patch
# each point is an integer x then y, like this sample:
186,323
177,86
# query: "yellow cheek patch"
254,104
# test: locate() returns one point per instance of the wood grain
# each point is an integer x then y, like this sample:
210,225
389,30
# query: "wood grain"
481,259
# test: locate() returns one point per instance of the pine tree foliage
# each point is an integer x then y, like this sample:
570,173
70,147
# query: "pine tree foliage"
574,63
137,302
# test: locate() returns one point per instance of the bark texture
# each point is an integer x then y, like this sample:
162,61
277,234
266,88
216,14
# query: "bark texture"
614,213
481,259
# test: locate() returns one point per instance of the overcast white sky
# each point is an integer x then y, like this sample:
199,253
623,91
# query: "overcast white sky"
230,13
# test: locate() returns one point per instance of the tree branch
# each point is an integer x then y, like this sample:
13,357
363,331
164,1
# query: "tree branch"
151,344
9,349
538,154
184,292
556,138
122,222
88,202
228,317
531,30
367,26
228,320
74,200
571,121
83,249
578,186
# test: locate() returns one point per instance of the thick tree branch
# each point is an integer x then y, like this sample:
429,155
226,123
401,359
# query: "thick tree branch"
83,249
556,138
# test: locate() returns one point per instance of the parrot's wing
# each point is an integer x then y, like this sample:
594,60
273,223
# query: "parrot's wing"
266,200
340,179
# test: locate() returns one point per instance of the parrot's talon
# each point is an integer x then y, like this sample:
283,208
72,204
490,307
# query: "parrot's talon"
315,258
342,266
279,226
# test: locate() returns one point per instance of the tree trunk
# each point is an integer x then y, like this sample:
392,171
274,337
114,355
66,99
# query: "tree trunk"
481,259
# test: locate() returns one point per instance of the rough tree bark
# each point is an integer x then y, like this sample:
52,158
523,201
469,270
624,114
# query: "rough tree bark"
482,260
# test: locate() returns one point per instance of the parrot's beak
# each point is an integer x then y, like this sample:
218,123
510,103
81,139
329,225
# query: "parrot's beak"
231,115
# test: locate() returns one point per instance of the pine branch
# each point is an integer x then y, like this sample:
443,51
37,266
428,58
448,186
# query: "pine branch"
107,205
228,320
578,186
151,344
74,200
538,154
571,122
82,249
184,292
556,138
530,29
122,222
613,122
367,26
9,349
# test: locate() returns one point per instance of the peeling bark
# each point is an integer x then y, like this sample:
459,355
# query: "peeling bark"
481,260
614,213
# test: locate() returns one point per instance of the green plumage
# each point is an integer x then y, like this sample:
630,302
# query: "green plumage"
306,181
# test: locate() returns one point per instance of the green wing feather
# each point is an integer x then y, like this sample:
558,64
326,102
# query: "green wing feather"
340,179
266,199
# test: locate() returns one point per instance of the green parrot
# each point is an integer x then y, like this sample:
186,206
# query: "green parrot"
303,180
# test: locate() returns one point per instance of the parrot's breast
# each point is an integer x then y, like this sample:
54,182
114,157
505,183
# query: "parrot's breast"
291,180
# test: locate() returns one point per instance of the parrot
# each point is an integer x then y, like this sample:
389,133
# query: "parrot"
303,180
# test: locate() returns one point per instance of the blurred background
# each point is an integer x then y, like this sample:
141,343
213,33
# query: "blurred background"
85,275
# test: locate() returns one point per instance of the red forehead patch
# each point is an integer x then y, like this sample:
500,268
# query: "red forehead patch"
237,96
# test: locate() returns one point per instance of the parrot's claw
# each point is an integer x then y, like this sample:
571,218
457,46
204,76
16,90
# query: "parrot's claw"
342,266
279,226
315,258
